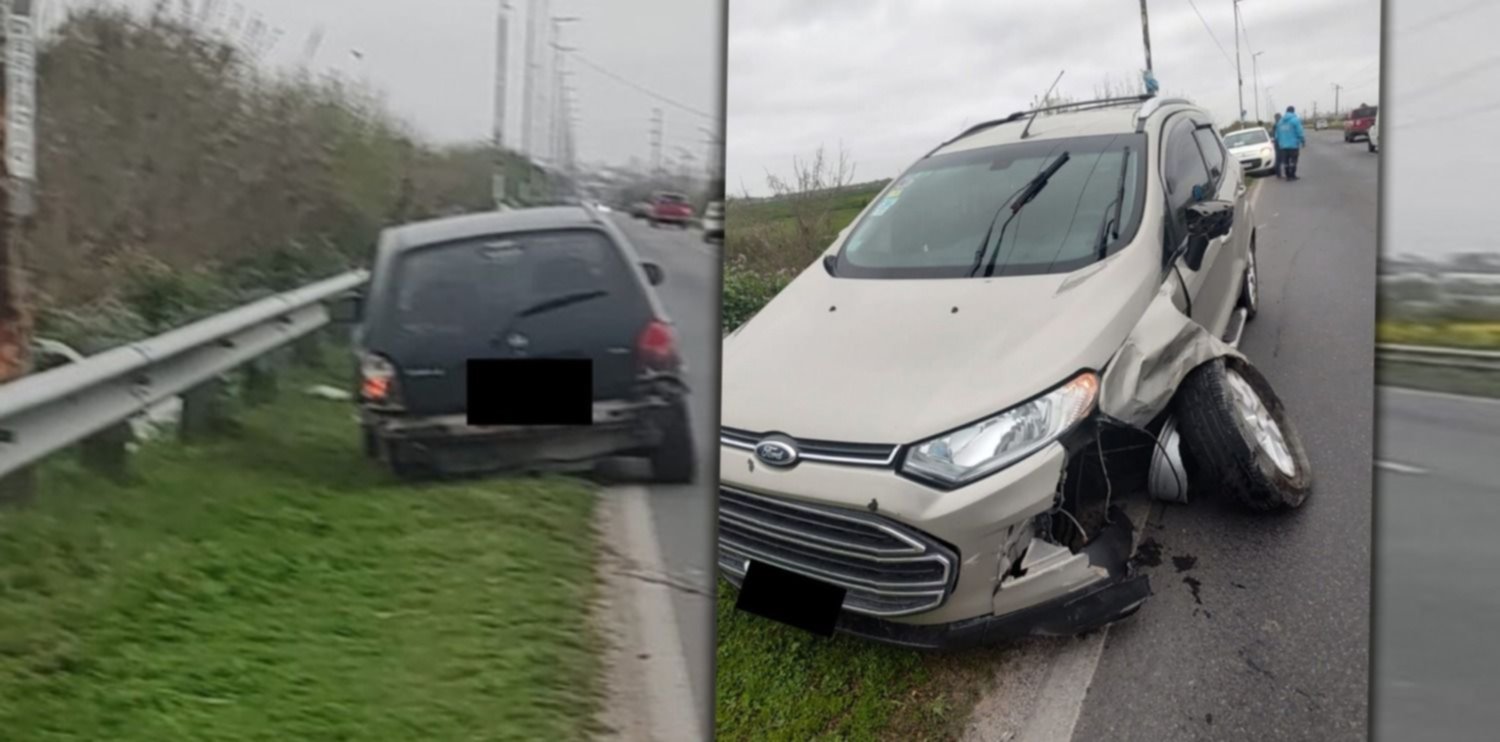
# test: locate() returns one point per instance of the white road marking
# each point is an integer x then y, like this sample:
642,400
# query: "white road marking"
1392,466
1440,395
672,713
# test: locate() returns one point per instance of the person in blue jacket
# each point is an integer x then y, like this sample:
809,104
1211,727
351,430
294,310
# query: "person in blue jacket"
1290,139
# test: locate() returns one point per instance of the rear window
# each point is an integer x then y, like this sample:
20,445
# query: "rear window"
671,198
463,287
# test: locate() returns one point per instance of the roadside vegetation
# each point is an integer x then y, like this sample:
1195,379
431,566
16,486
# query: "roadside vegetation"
780,683
179,176
273,585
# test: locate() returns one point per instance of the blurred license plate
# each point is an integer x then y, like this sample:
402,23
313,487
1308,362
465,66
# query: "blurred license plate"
781,595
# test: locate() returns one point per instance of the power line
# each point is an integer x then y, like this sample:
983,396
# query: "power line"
1485,65
641,88
1211,33
1451,116
1440,17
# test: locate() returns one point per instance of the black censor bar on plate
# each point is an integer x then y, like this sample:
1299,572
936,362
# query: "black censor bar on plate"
771,592
530,391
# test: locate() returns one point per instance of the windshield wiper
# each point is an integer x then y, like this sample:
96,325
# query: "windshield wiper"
558,302
547,305
1112,212
1022,196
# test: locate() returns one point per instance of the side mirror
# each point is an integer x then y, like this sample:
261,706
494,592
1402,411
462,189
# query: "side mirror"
1206,222
653,273
347,309
829,261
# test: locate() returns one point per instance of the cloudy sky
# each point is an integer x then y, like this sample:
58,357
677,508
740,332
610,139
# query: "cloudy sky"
890,78
434,61
1443,108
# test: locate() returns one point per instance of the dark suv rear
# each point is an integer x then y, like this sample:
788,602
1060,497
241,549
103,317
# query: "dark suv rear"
557,282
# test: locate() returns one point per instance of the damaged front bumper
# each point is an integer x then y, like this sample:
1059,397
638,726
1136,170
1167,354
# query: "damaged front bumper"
1002,574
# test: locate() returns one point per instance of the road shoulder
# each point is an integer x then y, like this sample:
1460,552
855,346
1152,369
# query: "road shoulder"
646,676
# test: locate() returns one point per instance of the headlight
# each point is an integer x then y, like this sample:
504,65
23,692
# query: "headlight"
989,445
1265,152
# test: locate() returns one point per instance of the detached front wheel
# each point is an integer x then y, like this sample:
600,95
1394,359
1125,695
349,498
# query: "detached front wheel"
1236,436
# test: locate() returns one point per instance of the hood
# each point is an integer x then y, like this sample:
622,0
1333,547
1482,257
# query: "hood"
1256,147
897,361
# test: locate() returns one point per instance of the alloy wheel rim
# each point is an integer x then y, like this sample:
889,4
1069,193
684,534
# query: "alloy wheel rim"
1263,427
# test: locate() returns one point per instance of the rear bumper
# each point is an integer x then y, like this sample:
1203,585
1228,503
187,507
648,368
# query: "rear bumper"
450,443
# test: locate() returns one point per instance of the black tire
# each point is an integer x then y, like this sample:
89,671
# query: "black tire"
370,442
1250,285
673,460
1219,446
397,459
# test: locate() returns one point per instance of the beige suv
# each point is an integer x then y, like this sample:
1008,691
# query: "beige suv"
940,421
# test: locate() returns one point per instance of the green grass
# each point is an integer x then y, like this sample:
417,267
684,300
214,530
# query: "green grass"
276,586
779,683
762,235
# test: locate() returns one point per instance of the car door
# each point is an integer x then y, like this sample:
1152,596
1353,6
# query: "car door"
1188,179
1226,258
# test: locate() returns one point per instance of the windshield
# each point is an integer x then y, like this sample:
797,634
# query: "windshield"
671,198
1364,113
469,286
1246,138
930,222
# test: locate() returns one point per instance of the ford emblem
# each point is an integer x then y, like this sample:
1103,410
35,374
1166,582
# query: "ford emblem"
776,453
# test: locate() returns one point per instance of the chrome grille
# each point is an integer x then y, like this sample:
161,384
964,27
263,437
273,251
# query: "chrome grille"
886,568
828,452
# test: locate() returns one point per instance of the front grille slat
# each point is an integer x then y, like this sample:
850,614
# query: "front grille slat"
886,568
829,452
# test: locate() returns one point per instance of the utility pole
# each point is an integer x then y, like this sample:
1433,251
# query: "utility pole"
554,123
1255,80
18,140
656,127
1237,73
1336,88
528,82
502,52
1146,35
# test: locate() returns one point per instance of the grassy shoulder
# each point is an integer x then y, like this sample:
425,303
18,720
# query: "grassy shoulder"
275,585
776,682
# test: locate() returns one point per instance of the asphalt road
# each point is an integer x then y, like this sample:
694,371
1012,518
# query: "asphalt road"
1259,626
683,514
1437,592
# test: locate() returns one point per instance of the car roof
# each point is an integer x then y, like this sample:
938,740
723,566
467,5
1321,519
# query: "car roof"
1113,119
468,226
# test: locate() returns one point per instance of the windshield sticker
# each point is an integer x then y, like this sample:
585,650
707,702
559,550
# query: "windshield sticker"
885,204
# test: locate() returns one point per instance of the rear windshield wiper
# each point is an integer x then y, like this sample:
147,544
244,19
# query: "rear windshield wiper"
547,305
1112,212
558,302
1026,193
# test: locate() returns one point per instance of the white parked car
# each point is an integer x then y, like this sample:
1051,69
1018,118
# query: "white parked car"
1253,148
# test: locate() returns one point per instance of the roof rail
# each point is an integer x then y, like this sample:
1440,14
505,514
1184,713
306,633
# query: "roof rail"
1150,106
1082,105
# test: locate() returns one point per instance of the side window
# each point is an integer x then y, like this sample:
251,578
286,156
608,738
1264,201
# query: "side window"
1213,153
1183,172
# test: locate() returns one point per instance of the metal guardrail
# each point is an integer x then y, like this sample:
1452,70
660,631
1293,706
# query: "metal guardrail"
47,411
1427,355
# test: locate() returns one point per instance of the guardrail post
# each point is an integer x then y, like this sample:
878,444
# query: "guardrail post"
260,381
203,411
105,452
308,349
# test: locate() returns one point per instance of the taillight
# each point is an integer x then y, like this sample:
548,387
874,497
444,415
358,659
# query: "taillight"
377,380
656,348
